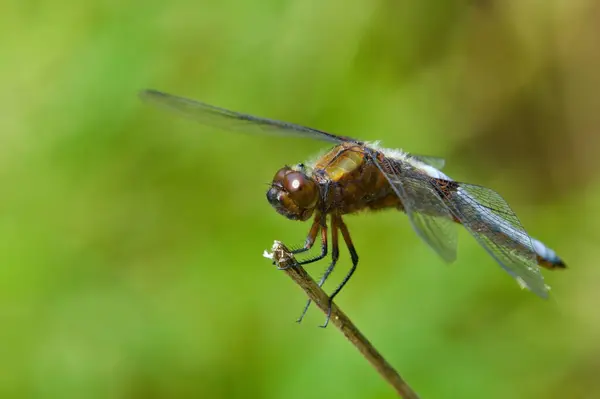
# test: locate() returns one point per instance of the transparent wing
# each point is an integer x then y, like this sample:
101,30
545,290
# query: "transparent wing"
428,214
487,216
436,162
231,120
432,203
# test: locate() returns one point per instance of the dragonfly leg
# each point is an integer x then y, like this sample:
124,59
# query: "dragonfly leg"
310,239
322,225
353,256
335,254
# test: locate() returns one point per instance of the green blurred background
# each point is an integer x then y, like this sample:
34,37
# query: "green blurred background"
130,263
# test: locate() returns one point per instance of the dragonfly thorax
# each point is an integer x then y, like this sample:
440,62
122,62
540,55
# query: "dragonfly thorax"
293,194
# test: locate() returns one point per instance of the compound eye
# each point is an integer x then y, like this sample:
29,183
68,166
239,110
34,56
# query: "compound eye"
294,181
280,176
301,189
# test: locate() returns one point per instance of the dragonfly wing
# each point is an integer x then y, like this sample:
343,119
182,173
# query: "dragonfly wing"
487,216
222,118
436,162
438,232
428,214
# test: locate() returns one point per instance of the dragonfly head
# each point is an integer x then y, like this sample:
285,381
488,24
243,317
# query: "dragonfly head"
293,194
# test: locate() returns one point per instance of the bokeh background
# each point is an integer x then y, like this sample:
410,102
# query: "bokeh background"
131,240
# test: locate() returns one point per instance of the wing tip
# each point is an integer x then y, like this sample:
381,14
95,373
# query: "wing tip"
542,291
147,94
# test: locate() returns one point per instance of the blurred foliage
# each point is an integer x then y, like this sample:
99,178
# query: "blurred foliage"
131,240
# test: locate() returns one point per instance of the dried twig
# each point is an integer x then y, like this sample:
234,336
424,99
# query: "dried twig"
283,258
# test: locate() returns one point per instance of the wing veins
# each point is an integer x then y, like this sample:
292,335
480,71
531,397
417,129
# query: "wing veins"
438,231
226,119
515,255
517,258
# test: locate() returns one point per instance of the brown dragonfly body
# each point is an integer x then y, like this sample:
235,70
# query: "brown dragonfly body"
356,184
356,176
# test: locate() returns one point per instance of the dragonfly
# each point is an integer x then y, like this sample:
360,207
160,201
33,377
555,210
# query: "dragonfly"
356,176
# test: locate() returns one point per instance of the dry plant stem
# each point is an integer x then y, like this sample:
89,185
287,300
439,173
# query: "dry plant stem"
284,259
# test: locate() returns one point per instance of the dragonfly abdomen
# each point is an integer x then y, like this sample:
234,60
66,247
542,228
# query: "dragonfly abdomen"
546,257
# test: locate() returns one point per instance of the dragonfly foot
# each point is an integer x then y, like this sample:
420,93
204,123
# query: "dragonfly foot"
328,315
299,320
